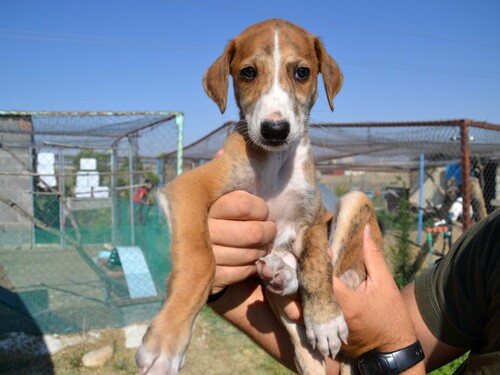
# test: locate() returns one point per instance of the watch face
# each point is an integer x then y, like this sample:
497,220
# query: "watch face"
370,367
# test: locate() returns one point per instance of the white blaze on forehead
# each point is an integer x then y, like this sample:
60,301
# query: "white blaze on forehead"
276,104
277,59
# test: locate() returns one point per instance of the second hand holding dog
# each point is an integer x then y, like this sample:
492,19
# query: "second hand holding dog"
375,311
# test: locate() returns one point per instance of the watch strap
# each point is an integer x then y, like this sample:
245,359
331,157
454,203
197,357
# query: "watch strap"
393,363
408,357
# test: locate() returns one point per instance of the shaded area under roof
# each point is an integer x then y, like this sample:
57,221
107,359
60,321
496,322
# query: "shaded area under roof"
91,129
378,145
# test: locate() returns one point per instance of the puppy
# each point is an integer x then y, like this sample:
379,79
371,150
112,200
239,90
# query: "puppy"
274,66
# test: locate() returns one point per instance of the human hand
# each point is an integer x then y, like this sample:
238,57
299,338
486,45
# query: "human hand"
375,312
240,232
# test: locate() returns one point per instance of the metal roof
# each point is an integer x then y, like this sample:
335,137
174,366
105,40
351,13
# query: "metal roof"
378,145
99,130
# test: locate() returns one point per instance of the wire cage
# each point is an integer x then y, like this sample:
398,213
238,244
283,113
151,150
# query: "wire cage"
446,170
70,228
79,246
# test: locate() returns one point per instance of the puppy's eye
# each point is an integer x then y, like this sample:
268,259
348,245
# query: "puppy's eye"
249,73
301,73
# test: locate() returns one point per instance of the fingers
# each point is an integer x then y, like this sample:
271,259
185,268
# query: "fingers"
232,233
229,256
239,205
238,219
233,275
234,265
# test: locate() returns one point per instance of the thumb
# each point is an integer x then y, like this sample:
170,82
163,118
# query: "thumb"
373,256
340,289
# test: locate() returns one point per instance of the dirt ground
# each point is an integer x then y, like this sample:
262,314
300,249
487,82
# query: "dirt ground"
217,348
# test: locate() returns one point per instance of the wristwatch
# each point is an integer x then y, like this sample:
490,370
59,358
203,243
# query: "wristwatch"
375,362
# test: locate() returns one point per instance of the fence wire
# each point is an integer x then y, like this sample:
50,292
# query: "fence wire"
436,174
82,244
77,251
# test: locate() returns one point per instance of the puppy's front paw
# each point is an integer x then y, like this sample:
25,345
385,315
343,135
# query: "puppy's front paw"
154,362
162,353
328,336
279,277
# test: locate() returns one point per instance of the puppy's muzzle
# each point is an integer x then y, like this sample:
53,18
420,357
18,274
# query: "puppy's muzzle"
274,133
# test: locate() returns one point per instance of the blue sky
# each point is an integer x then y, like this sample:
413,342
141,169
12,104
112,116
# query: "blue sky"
401,60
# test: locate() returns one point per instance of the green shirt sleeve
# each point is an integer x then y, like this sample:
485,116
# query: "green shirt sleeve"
459,297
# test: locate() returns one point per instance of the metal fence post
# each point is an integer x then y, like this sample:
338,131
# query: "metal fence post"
465,164
61,197
421,199
179,121
114,195
131,192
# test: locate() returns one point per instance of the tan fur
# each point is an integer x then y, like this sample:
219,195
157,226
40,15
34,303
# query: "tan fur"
187,199
352,214
254,47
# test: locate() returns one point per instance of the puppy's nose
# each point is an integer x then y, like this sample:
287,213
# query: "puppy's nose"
275,131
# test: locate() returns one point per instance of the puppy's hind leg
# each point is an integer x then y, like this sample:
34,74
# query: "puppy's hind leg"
326,328
353,212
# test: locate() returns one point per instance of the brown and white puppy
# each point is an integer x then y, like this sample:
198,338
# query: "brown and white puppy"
275,67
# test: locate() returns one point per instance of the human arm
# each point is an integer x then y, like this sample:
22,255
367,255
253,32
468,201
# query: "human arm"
244,302
437,353
387,317
375,311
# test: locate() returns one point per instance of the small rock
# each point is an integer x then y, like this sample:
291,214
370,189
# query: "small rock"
98,357
56,343
133,335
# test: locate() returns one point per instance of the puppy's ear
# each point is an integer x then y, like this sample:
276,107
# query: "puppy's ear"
216,78
332,76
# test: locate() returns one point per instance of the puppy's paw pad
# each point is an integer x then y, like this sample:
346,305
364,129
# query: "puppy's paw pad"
327,337
280,278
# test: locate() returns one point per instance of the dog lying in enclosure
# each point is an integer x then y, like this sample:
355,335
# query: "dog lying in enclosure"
274,66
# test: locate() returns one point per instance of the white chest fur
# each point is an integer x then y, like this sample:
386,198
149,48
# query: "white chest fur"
285,186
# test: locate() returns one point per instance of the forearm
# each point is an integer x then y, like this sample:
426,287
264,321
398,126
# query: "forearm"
418,369
437,353
244,306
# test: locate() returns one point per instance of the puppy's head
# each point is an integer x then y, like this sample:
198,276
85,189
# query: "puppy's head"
275,66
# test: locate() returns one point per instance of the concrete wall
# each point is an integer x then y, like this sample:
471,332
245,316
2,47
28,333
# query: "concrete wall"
16,135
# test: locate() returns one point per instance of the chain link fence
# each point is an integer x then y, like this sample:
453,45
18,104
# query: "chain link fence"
428,180
82,244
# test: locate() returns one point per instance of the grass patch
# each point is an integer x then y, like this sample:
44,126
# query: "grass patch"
451,367
216,348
